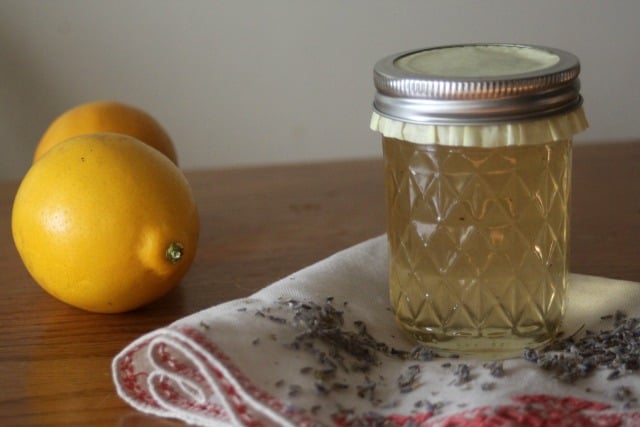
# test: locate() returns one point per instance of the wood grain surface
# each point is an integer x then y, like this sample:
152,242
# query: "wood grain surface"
258,225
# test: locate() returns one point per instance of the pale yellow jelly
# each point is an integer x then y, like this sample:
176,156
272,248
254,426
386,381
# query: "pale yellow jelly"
478,244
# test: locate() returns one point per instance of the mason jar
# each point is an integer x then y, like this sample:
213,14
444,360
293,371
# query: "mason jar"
477,154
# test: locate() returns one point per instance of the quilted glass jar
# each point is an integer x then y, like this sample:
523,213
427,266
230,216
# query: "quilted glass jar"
477,153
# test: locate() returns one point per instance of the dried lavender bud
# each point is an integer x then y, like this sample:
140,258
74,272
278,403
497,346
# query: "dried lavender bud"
496,369
622,393
586,367
321,388
408,380
325,373
394,352
422,354
277,319
530,355
429,406
339,386
294,390
366,390
204,325
462,374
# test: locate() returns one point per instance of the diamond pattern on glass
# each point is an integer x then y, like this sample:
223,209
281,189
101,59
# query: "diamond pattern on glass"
478,239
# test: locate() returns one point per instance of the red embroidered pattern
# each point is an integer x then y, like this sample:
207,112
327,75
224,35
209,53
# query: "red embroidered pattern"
134,383
533,411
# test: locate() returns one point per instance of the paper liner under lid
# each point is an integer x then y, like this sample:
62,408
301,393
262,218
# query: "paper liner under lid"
556,128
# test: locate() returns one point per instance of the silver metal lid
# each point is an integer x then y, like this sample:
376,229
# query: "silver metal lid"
476,84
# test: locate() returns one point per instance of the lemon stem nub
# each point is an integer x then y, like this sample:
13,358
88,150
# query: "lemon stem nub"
174,252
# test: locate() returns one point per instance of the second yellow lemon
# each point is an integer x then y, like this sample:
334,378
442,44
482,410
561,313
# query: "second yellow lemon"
105,223
111,117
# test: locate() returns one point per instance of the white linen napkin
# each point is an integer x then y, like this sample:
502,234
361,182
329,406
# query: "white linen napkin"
249,362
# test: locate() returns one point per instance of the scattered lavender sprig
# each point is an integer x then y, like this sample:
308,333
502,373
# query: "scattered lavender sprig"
354,349
571,358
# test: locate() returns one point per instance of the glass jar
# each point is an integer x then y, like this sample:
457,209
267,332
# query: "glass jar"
477,154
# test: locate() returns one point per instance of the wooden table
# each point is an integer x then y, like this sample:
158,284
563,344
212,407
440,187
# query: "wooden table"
258,225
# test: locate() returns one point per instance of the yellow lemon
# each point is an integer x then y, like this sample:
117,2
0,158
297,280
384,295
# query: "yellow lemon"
106,117
105,223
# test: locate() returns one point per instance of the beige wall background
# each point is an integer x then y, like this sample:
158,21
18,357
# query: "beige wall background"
256,82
